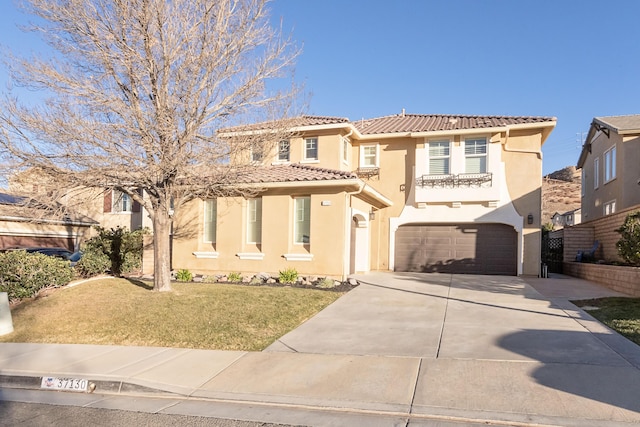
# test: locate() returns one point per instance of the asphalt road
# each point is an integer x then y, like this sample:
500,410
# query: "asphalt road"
37,415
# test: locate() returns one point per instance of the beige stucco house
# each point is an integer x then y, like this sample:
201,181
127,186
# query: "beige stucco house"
610,163
405,192
24,225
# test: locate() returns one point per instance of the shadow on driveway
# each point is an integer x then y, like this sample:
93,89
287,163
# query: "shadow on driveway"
599,377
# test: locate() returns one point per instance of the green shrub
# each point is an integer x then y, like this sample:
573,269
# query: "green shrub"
290,275
629,243
234,277
23,274
92,263
184,275
122,248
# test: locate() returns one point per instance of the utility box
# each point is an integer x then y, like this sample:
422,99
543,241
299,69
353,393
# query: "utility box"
6,325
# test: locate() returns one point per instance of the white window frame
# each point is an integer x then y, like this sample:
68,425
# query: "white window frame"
288,151
610,164
345,150
609,207
447,157
306,149
122,203
210,221
301,215
254,220
476,155
364,155
596,172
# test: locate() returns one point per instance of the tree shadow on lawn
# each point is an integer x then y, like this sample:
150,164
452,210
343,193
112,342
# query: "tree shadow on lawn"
139,283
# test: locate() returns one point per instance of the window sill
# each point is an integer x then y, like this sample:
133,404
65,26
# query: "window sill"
298,257
207,255
310,161
281,162
251,255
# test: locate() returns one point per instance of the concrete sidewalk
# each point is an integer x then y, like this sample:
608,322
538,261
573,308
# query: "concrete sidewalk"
401,349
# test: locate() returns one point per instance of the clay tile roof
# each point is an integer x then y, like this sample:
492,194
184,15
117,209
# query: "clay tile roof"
300,121
437,122
294,173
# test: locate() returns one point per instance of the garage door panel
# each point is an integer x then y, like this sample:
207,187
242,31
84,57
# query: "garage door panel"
464,248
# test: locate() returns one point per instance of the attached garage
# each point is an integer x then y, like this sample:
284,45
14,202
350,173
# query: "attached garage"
457,248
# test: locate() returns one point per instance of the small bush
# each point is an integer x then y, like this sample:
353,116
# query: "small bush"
290,275
184,275
629,243
123,248
92,263
234,277
23,274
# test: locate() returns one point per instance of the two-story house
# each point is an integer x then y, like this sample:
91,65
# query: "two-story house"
610,164
405,192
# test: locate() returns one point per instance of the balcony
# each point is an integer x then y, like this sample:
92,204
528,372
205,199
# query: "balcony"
368,172
469,180
465,187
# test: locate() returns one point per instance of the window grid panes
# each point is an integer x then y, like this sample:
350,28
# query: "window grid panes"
596,172
210,219
302,219
284,148
311,149
254,220
610,164
345,149
439,154
121,202
475,152
369,156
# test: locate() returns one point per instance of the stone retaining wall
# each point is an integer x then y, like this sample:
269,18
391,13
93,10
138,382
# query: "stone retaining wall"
617,278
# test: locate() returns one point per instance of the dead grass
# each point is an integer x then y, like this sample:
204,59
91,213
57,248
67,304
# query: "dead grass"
205,316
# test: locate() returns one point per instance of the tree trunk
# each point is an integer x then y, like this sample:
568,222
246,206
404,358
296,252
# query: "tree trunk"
161,251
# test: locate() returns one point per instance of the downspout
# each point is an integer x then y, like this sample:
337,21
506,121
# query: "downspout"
347,229
517,150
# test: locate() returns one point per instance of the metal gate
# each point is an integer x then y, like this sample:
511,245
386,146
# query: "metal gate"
552,248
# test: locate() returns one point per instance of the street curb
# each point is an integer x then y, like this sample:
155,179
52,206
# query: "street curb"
98,386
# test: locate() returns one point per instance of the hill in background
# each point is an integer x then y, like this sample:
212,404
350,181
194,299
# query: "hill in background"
560,192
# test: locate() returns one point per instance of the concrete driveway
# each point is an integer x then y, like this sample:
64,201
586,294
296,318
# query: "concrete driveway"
485,343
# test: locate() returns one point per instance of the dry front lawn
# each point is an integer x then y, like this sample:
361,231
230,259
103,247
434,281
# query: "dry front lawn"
128,312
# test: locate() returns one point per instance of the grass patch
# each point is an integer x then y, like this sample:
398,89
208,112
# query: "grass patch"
128,312
619,313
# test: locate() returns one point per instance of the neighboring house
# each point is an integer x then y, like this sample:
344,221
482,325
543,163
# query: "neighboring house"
566,219
24,225
610,163
406,192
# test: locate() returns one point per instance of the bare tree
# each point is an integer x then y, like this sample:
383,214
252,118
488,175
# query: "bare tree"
136,93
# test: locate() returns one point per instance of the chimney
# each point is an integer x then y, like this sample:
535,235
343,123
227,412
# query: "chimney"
403,112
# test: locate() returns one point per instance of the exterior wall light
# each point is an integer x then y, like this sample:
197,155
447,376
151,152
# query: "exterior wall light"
530,219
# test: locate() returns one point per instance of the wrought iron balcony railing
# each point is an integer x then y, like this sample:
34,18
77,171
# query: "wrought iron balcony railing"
460,180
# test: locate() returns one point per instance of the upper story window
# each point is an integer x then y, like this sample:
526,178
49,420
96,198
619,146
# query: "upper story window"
302,219
210,220
369,156
256,153
121,202
596,172
610,164
439,157
311,149
254,220
475,155
284,151
345,150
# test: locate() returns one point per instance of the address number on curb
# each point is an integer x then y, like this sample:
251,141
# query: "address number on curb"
66,384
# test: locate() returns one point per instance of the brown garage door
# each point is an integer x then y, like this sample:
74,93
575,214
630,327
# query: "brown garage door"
462,248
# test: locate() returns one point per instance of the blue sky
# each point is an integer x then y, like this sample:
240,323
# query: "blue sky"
571,59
